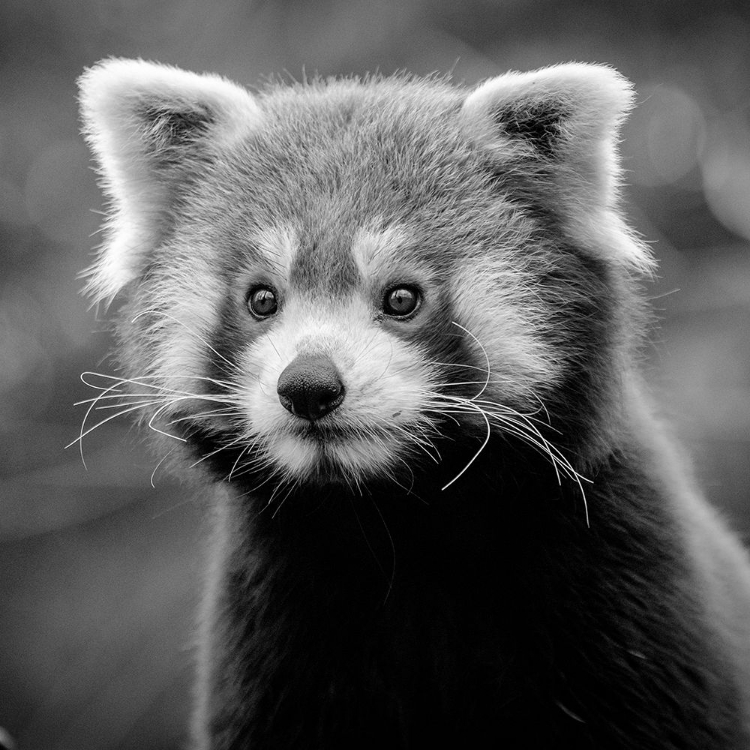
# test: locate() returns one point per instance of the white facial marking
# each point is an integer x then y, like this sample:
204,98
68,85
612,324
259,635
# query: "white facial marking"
384,380
278,246
379,253
486,302
184,316
373,249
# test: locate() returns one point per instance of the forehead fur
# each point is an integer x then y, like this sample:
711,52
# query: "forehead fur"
340,161
344,149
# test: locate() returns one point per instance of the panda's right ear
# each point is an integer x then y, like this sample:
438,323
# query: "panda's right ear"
150,127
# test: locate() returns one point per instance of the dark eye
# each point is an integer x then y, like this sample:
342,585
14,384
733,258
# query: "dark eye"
401,301
262,302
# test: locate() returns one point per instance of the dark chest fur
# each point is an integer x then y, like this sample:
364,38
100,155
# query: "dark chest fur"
486,616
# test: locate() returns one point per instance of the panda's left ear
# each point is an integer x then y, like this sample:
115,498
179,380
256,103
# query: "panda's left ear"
564,117
559,127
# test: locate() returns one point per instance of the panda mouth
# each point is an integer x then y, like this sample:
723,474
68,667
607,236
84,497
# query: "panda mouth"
322,430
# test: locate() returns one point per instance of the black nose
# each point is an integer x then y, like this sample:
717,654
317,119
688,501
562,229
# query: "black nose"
310,387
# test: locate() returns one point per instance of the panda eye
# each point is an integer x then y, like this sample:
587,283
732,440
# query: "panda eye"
401,301
262,302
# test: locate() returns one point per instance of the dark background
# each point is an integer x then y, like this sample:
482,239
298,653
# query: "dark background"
99,572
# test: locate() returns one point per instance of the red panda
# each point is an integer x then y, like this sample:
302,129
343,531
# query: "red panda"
390,327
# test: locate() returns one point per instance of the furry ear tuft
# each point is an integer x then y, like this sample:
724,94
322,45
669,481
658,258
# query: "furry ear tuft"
566,114
562,122
149,126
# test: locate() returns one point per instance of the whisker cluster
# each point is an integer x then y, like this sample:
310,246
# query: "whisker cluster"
146,394
508,420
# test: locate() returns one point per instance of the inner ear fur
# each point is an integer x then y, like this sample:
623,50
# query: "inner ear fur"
561,124
149,126
566,116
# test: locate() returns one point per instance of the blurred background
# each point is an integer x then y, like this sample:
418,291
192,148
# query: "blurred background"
99,570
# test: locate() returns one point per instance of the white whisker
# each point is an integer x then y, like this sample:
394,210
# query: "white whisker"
527,427
156,468
218,450
476,455
237,461
486,357
190,330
